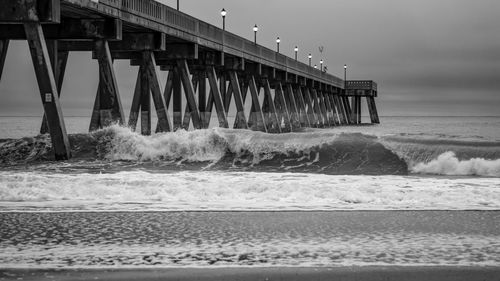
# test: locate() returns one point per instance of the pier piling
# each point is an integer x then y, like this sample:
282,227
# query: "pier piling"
48,89
4,47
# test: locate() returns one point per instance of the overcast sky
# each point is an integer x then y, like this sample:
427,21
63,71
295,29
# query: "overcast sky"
429,57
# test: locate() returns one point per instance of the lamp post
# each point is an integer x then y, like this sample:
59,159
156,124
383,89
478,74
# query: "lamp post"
177,5
278,40
321,65
345,77
255,29
316,66
296,51
310,57
223,13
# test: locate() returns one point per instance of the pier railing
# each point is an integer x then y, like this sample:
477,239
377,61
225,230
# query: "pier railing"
361,85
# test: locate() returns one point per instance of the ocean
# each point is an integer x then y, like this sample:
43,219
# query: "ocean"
412,191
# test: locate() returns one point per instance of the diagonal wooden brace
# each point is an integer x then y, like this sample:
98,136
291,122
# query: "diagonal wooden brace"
109,106
260,121
189,92
152,78
59,59
216,97
48,90
4,46
238,99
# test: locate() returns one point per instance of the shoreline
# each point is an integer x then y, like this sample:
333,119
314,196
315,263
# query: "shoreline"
371,273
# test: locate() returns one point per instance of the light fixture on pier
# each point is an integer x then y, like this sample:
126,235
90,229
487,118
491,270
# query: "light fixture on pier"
321,65
310,57
223,13
296,51
345,77
278,40
255,29
316,66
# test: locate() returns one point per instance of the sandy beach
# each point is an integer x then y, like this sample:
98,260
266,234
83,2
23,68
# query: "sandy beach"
244,274
153,240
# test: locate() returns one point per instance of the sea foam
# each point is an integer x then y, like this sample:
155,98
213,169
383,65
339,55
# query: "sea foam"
215,190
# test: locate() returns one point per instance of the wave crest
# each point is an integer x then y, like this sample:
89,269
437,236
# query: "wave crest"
119,143
315,151
448,164
326,152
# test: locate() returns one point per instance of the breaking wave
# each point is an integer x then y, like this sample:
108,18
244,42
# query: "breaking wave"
115,169
447,157
316,151
448,164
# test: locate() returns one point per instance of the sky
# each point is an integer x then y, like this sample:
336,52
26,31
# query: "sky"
429,57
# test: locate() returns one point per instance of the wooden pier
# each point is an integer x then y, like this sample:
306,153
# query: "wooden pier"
209,66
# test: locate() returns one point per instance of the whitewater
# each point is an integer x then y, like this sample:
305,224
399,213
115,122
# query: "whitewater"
115,169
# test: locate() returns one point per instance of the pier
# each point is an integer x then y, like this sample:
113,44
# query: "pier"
208,66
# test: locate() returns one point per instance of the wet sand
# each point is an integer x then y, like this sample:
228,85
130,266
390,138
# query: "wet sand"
254,239
244,274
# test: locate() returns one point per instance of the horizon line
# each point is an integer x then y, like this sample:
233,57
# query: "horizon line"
383,116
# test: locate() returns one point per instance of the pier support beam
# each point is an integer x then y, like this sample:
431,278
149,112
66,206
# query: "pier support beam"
347,108
187,111
329,109
215,97
108,107
335,113
4,47
372,108
145,101
48,89
202,98
228,90
167,96
258,122
359,114
136,103
253,117
322,107
58,59
223,89
316,108
282,108
337,109
356,110
340,109
304,118
245,85
240,108
294,110
270,111
189,91
177,99
310,108
147,86
154,84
